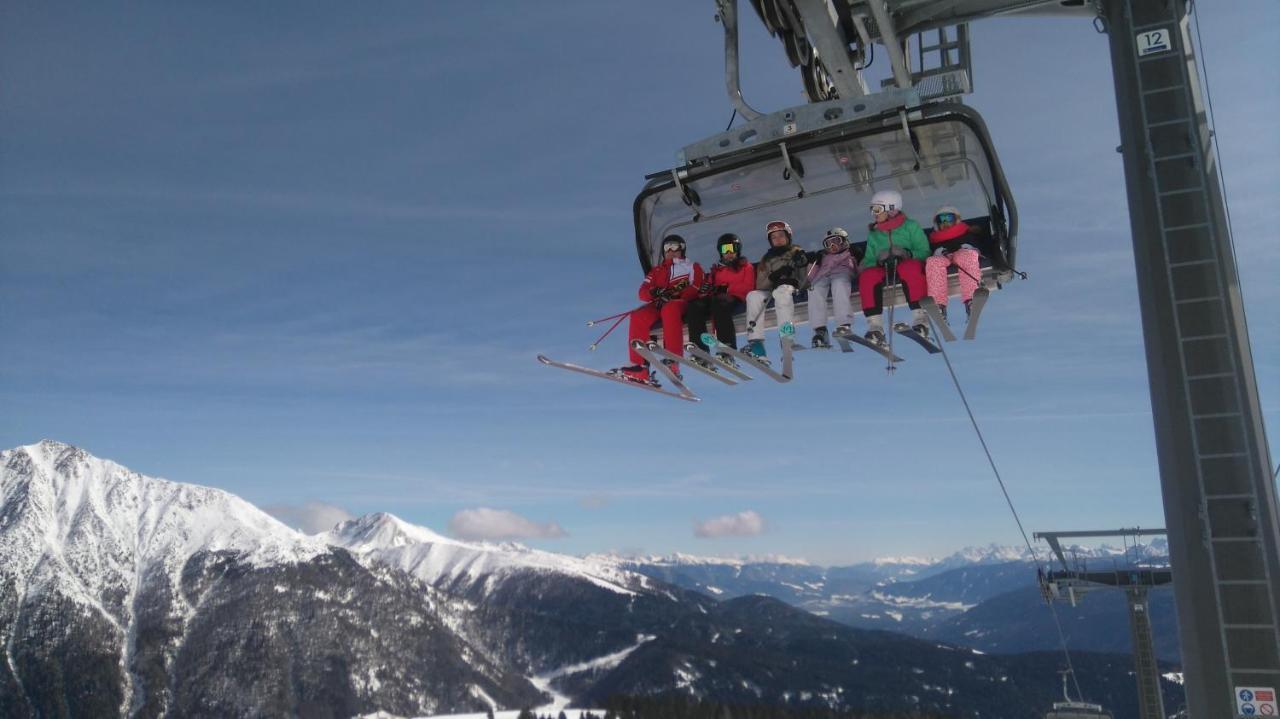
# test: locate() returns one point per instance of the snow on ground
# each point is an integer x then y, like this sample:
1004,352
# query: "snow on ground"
559,702
504,714
920,602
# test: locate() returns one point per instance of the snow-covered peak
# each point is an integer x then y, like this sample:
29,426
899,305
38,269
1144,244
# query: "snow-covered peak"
990,554
904,561
679,559
441,561
92,528
381,530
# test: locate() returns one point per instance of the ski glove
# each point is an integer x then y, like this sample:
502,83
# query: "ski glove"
799,259
783,276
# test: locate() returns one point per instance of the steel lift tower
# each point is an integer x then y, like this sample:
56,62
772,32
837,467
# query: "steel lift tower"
1215,466
1219,495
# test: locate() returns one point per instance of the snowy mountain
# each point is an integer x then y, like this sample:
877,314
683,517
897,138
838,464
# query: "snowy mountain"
931,597
125,594
461,566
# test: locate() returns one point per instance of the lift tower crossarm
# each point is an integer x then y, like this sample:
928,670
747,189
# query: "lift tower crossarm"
1053,537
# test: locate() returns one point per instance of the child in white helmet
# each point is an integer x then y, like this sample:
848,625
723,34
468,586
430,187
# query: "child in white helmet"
832,271
893,241
779,274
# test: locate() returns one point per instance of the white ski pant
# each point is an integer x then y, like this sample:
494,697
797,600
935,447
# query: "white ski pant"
783,306
840,287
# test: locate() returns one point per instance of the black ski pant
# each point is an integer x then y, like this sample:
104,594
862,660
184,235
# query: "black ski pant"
721,309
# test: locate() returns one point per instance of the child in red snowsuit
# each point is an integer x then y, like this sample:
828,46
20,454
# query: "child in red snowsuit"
667,288
724,293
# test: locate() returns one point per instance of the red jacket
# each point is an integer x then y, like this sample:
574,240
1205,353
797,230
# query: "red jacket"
740,279
684,278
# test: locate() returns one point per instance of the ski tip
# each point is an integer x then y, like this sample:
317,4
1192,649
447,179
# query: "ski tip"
544,359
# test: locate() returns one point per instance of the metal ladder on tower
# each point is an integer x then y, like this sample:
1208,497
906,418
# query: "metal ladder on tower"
1150,702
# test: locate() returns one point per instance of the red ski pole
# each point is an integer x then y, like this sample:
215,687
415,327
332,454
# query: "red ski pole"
612,327
592,323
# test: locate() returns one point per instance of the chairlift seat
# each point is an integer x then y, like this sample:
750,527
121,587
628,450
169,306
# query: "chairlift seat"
945,158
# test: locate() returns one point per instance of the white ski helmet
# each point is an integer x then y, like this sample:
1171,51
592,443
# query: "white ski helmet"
775,225
674,242
837,239
946,209
891,199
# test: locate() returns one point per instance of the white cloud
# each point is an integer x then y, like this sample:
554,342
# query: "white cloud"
312,517
742,524
594,501
498,524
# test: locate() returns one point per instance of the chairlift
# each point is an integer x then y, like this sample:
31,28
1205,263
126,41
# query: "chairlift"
817,166
1072,709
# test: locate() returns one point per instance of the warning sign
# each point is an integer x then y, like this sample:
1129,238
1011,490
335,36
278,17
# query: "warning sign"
1256,701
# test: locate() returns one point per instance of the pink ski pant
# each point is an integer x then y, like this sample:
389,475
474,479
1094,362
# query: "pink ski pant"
935,271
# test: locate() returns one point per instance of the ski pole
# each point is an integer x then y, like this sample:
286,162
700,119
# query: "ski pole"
609,331
592,323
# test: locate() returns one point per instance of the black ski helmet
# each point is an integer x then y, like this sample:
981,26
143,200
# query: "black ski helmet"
729,238
674,240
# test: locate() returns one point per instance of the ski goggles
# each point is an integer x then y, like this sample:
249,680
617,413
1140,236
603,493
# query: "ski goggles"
878,208
945,217
835,242
727,248
775,227
672,247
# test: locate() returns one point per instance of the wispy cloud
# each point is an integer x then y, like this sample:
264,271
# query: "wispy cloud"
742,524
311,518
484,523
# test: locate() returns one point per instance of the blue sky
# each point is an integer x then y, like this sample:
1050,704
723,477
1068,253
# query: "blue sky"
307,253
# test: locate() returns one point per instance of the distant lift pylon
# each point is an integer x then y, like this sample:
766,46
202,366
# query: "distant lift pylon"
1072,582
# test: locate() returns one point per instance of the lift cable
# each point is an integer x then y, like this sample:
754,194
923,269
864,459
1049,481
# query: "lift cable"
1062,637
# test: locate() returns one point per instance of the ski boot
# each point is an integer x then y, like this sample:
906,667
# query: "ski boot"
843,331
637,373
703,363
820,339
727,358
968,309
756,349
875,330
920,323
675,369
942,312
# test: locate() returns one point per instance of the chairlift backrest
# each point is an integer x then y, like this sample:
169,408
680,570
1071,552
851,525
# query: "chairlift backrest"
826,179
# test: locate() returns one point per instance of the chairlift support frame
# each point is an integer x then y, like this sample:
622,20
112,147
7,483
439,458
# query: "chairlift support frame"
1219,496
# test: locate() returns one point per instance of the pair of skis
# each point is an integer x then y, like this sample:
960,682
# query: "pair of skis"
906,330
664,361
713,367
975,311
